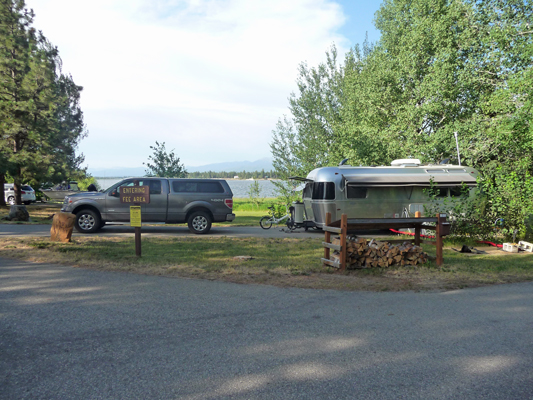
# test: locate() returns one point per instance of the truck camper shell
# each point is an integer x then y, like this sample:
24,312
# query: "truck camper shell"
395,191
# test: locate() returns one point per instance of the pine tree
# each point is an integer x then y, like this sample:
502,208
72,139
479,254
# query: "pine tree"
40,119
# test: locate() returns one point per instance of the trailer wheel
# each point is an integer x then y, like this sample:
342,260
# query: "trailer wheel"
291,225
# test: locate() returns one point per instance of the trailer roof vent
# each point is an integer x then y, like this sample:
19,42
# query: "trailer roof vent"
406,162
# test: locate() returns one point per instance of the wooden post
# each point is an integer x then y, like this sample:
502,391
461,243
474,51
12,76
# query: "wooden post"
137,231
417,230
137,241
344,233
440,220
327,238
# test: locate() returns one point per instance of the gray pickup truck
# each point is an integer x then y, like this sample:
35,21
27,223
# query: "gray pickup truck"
197,202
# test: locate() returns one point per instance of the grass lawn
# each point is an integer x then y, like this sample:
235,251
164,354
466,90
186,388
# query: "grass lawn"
280,262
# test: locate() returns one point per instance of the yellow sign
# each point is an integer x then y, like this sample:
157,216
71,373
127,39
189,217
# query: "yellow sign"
135,216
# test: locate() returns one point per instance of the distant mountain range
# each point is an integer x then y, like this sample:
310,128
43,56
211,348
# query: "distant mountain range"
237,166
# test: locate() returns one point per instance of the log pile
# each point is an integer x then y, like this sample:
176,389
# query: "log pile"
360,253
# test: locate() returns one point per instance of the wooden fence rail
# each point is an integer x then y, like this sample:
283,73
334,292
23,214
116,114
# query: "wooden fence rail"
341,227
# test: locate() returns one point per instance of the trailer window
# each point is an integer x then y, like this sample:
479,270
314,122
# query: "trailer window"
441,192
354,192
457,191
308,191
323,191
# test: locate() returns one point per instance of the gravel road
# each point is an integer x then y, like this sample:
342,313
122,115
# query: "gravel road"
70,333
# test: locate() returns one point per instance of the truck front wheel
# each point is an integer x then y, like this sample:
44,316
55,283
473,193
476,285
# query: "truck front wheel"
199,222
87,221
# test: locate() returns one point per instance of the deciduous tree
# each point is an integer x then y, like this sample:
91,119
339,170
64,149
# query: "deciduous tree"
164,164
440,66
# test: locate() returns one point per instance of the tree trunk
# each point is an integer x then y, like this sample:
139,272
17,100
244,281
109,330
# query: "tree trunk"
16,179
2,182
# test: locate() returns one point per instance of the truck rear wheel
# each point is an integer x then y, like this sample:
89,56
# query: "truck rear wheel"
87,221
199,222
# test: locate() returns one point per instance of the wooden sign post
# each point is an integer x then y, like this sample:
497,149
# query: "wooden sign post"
135,195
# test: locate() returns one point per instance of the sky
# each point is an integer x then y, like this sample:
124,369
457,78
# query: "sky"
210,78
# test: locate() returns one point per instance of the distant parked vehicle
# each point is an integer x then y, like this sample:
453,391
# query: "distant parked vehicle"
27,194
59,192
197,202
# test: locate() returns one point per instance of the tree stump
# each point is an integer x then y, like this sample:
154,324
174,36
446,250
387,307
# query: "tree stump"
62,226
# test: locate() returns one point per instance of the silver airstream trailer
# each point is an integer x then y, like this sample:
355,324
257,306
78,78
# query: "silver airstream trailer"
379,192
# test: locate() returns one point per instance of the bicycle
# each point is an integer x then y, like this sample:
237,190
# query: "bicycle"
267,221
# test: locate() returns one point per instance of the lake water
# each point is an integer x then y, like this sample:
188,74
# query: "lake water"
239,188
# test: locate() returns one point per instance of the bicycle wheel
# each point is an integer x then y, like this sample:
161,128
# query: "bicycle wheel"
265,222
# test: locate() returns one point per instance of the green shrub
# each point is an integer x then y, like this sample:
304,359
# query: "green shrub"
502,206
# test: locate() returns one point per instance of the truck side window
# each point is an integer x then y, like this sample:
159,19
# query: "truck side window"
210,187
115,190
187,187
155,187
354,192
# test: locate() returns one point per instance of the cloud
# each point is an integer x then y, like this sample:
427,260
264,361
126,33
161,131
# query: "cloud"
190,73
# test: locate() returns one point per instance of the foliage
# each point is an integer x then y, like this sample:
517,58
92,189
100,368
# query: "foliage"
254,192
164,164
466,212
440,66
308,139
83,183
286,192
278,209
244,204
41,123
509,195
501,207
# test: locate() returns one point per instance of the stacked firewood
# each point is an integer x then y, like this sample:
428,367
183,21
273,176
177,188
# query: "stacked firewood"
360,253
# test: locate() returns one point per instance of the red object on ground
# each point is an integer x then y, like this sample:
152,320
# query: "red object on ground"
411,234
492,244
